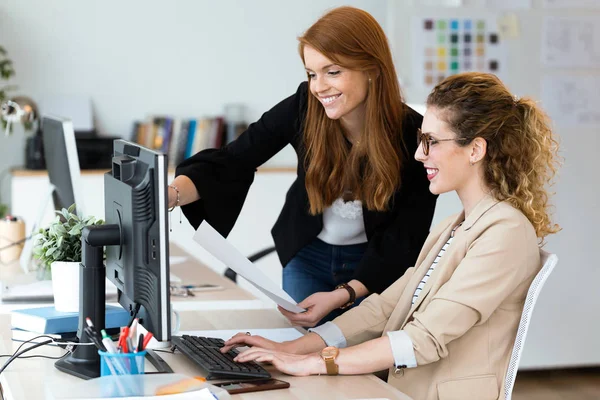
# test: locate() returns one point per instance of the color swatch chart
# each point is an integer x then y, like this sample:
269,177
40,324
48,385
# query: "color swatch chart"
446,46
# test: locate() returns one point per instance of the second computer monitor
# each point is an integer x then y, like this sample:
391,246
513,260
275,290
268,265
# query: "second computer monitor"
135,196
62,162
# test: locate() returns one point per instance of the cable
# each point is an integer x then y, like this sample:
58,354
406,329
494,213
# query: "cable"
164,351
35,356
16,355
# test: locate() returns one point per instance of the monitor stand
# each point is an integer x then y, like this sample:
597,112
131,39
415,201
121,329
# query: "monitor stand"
84,362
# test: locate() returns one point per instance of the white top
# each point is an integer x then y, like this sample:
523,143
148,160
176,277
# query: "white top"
343,223
433,265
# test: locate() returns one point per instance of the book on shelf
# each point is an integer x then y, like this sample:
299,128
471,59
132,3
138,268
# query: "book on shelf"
180,138
48,320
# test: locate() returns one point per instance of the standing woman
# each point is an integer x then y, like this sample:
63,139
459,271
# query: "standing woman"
360,209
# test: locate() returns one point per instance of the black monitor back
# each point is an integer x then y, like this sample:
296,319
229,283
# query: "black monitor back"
135,199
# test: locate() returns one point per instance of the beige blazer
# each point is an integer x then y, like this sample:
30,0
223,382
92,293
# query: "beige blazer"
464,322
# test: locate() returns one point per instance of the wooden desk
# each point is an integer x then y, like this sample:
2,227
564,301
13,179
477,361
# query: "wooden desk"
26,378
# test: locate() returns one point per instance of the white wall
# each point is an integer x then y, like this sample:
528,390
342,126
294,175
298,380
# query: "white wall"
566,322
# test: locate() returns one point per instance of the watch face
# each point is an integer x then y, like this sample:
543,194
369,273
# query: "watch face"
330,352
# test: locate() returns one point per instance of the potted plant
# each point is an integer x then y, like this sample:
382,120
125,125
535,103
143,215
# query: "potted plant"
58,248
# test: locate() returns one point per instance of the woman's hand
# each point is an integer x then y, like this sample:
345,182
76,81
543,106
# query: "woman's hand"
291,364
243,339
317,305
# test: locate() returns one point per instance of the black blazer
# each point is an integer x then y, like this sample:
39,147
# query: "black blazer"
223,177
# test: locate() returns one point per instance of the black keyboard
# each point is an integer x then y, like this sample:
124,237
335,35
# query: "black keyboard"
206,353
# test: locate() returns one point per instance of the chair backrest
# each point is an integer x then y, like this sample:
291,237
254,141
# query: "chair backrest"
548,263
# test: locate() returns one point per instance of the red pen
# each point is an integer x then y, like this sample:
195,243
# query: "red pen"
123,339
147,338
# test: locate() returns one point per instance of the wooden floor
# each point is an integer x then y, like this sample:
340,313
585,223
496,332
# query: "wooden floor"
567,384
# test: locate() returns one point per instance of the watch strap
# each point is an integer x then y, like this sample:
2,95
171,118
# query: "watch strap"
352,293
332,367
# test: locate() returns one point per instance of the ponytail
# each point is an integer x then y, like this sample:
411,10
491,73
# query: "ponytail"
535,167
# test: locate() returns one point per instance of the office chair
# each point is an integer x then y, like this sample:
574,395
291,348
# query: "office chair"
231,274
548,263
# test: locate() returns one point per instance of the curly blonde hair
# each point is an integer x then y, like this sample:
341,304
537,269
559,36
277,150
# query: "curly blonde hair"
522,152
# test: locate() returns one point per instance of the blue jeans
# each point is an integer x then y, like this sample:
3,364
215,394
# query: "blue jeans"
320,267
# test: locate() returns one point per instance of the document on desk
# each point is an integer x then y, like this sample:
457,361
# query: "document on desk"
224,251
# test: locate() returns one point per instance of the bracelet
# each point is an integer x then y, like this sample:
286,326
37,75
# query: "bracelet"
176,191
352,293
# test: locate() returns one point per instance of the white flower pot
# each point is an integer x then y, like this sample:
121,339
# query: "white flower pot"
65,285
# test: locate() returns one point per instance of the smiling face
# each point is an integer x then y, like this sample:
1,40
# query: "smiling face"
341,91
447,164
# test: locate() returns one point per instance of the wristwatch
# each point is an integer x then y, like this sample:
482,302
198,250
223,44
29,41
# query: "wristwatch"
329,354
352,293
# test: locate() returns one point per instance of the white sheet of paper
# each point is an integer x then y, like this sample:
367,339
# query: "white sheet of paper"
571,42
571,99
276,335
207,237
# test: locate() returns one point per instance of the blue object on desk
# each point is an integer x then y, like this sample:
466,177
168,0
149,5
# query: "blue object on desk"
48,320
121,363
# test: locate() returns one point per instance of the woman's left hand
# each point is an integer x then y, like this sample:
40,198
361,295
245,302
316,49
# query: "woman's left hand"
317,306
291,364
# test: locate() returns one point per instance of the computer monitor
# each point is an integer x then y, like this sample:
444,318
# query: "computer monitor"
135,198
135,237
62,163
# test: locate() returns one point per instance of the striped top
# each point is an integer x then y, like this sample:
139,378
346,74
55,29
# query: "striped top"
430,270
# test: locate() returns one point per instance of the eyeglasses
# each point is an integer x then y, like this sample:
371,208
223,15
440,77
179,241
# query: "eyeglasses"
428,141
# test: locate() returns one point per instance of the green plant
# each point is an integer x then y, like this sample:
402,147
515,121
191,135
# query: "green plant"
61,241
3,210
6,71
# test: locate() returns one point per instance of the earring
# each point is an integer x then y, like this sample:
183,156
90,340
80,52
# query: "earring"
471,163
369,80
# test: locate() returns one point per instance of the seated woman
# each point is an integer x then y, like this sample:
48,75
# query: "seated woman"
446,328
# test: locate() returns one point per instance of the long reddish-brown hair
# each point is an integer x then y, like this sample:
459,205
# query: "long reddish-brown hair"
353,39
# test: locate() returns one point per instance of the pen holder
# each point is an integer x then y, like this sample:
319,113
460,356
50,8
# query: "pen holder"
121,363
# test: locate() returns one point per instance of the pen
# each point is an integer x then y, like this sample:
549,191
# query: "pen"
146,340
140,343
93,334
130,346
108,343
123,339
133,329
